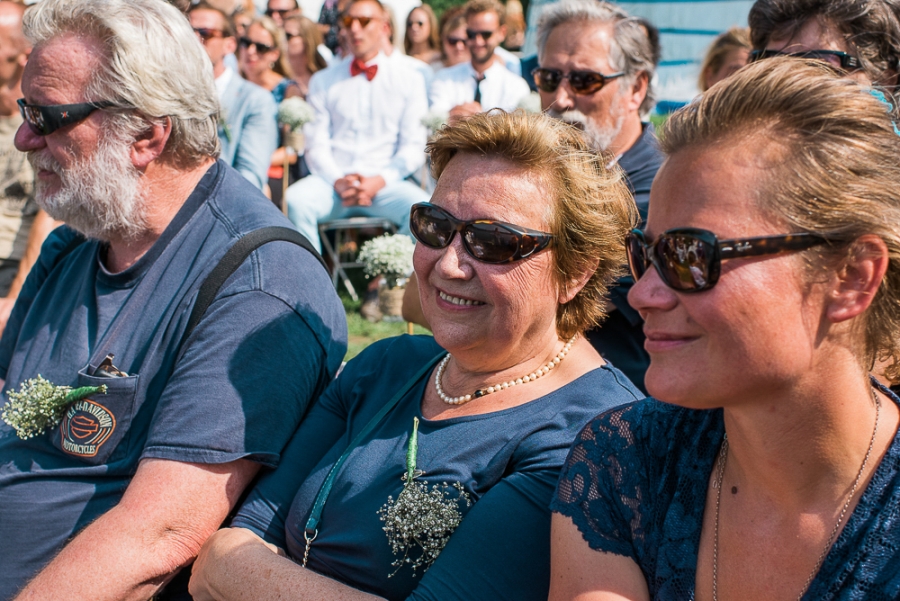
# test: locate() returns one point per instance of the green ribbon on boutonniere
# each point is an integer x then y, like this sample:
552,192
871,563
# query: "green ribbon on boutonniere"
419,523
39,405
223,125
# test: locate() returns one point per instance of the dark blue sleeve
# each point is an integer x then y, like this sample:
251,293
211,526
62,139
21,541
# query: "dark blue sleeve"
251,369
501,550
56,242
601,486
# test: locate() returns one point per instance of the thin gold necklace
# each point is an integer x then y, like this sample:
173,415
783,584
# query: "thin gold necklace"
720,474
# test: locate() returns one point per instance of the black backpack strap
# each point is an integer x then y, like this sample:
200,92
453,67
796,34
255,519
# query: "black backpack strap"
234,258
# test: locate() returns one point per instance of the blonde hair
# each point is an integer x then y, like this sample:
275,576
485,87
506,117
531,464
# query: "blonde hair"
589,212
736,38
837,169
312,38
281,65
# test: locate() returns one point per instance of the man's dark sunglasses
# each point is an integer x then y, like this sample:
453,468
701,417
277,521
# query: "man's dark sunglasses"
44,120
279,11
258,47
835,58
690,260
485,240
484,35
347,21
206,33
582,82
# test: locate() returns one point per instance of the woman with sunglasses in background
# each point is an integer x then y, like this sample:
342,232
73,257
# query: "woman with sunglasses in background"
768,277
422,40
454,49
303,41
262,58
455,440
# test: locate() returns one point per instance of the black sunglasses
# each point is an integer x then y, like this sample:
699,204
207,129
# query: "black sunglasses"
279,11
44,120
582,82
484,35
835,58
455,41
690,260
257,47
485,240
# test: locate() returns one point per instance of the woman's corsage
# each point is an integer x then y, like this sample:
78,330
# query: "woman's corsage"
39,405
421,518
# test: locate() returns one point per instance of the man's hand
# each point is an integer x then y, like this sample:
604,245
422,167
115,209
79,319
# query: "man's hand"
358,190
368,188
461,111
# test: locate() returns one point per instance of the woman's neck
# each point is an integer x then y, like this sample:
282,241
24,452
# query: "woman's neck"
418,48
808,441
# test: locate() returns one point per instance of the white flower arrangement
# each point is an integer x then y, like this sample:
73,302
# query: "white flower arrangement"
530,103
295,113
435,120
38,405
389,256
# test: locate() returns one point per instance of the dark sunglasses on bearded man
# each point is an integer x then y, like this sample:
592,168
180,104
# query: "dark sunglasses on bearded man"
44,120
581,81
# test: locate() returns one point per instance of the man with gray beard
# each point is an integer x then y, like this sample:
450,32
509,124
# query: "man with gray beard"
596,72
184,391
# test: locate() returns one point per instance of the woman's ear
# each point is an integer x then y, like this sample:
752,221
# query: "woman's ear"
573,286
858,279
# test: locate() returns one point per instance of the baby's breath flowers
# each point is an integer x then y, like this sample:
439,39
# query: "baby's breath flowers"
421,518
389,256
295,112
39,405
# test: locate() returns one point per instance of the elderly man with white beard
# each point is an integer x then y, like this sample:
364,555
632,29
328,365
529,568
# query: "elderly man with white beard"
596,72
181,392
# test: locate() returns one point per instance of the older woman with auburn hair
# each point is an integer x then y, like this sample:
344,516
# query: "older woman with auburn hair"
427,468
768,277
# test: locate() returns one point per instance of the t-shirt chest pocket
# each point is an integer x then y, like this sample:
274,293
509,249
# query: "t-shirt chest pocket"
93,428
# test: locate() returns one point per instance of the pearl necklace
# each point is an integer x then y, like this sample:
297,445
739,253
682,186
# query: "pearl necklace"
720,474
459,400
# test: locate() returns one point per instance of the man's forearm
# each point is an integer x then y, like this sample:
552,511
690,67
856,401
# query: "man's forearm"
41,227
111,560
167,513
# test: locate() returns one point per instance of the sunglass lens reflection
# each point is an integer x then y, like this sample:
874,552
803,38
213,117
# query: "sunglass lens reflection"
685,262
491,243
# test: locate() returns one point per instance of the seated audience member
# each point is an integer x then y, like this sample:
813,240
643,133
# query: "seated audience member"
280,10
596,71
262,58
247,129
768,277
454,49
23,226
725,57
367,135
303,40
110,495
483,83
861,38
540,225
422,39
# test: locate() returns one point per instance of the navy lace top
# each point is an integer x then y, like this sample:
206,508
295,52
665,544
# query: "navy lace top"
635,484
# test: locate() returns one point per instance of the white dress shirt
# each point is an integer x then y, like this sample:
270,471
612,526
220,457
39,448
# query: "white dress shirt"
366,127
456,85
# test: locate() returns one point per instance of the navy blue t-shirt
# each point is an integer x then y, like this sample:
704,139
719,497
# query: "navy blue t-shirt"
236,388
508,462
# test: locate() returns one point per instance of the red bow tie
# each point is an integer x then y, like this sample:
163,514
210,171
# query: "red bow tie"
357,67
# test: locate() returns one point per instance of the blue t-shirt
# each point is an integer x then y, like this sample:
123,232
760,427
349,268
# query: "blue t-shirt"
507,461
236,388
635,484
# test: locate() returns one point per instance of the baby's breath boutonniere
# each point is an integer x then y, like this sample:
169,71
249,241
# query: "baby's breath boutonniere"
421,517
39,405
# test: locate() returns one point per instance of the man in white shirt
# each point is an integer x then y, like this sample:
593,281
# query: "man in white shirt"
367,135
485,82
248,131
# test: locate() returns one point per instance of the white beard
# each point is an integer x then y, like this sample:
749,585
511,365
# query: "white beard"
100,195
598,137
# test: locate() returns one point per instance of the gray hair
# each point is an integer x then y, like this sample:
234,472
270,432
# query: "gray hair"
631,50
152,62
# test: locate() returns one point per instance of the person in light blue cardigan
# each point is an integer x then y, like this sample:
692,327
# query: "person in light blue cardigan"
248,130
